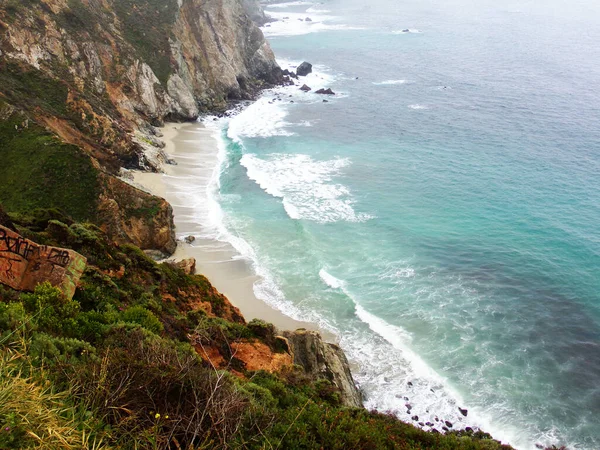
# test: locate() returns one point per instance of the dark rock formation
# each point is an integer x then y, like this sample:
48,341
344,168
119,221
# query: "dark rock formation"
323,360
327,91
304,69
305,88
286,72
464,412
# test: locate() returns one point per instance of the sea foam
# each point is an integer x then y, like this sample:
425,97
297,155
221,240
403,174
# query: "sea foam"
305,185
389,82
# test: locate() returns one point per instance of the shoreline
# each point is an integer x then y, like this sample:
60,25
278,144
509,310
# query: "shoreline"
195,150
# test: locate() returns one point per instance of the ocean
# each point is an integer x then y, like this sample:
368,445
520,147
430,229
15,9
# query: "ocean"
441,213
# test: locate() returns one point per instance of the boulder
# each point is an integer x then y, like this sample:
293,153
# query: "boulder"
189,239
308,19
448,424
188,265
464,412
25,264
304,69
305,88
327,91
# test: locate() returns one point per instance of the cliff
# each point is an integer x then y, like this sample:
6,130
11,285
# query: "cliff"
100,74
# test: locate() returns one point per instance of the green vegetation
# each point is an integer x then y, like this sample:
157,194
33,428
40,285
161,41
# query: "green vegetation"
33,89
147,26
39,171
115,366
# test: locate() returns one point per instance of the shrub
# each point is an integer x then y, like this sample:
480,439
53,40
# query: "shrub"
50,310
143,317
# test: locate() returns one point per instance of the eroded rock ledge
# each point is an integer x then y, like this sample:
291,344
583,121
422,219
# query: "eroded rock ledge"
321,359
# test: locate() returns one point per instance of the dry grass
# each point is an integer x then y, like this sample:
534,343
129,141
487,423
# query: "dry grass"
32,415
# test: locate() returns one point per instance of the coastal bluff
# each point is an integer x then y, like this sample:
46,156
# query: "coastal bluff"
92,80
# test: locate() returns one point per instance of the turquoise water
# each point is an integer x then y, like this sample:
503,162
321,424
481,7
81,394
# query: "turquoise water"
442,213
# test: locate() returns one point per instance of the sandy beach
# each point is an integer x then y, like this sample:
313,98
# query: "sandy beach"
194,148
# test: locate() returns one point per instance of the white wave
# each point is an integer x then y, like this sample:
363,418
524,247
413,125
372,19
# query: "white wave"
399,338
305,185
295,24
288,4
418,107
262,118
318,11
330,280
389,82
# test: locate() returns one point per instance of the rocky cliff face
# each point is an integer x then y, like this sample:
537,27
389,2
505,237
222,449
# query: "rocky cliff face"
100,73
323,360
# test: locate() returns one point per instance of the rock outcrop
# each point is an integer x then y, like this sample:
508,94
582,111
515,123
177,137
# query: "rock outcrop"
324,360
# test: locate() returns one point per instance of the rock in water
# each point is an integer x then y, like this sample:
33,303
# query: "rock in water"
464,412
327,91
304,69
305,88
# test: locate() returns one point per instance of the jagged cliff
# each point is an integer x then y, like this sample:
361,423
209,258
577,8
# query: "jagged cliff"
100,74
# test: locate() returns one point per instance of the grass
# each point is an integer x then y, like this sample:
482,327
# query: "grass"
31,88
39,171
33,414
